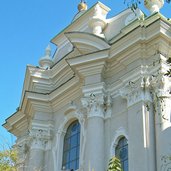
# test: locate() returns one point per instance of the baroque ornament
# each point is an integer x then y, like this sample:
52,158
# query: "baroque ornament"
39,138
138,90
95,105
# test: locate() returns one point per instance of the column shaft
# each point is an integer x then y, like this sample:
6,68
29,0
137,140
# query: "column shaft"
95,144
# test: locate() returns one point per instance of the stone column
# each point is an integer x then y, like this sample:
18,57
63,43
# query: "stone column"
39,139
94,153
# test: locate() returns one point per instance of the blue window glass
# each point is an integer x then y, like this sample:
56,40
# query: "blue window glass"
122,153
71,147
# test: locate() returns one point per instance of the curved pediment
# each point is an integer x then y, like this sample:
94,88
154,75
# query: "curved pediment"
86,42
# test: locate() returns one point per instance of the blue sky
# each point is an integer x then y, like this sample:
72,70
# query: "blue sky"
26,28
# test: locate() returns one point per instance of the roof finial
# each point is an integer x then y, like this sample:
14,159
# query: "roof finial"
46,62
82,6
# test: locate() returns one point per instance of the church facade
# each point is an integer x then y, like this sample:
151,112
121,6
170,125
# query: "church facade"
103,94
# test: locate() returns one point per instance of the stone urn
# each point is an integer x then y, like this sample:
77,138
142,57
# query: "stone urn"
154,5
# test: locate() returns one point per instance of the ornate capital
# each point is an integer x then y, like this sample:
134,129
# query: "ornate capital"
40,138
161,85
95,105
135,93
138,90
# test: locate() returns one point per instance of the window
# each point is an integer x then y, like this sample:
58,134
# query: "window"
71,147
122,153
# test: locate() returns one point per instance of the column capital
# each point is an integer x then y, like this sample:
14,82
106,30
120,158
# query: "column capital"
139,90
95,105
135,93
161,85
40,138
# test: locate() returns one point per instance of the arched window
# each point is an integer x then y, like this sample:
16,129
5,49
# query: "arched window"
71,147
122,153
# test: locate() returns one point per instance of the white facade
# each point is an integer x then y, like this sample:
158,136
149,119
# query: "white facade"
109,75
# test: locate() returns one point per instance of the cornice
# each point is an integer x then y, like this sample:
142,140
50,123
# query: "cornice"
17,124
89,64
45,101
140,31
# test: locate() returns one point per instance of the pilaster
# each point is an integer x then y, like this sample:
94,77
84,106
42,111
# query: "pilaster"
161,88
140,122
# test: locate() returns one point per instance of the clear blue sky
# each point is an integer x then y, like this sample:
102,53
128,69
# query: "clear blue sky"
26,28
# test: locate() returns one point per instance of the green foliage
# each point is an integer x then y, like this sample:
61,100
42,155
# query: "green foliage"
114,164
8,159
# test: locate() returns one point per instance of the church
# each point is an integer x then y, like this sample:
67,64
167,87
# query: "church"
103,94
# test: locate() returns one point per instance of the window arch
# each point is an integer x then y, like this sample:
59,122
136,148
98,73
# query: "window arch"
71,147
121,151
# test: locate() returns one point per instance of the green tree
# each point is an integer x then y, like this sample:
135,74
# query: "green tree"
114,164
8,159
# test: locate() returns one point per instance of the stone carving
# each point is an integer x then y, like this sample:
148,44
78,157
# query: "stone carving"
94,105
161,85
97,105
161,91
138,90
39,138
